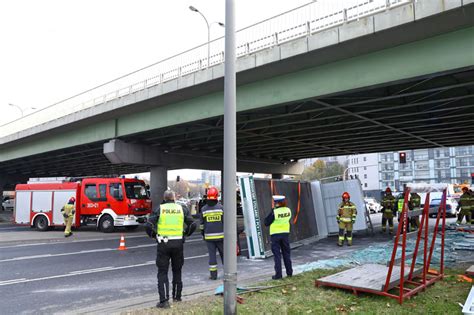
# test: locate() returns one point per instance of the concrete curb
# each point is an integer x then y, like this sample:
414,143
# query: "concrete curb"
150,300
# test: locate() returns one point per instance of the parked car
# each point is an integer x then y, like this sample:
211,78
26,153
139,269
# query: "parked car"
451,207
372,205
8,203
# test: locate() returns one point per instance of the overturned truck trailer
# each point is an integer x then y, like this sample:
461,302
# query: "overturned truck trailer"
313,206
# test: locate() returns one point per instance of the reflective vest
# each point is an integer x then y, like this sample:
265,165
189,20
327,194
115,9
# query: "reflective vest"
465,202
415,201
213,222
171,221
68,209
401,200
347,212
388,203
281,224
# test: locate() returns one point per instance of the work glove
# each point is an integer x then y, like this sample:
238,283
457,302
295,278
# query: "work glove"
73,212
65,216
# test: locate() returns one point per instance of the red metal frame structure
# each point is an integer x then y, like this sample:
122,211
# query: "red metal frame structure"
414,282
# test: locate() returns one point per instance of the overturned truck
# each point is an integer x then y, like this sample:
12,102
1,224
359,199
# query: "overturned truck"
314,208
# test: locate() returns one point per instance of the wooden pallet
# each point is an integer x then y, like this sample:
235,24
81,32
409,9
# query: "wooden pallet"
370,277
470,271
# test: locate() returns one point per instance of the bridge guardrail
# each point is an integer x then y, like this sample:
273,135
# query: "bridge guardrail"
296,23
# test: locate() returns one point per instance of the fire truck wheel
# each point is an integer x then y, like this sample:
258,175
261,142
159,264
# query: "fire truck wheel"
131,227
106,224
41,223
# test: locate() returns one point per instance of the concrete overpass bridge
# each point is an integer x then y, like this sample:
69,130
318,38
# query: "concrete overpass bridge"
350,77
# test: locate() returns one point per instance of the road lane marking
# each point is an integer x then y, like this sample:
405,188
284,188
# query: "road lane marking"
81,252
83,272
189,240
70,242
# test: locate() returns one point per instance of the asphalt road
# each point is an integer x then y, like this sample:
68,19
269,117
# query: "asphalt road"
45,273
63,275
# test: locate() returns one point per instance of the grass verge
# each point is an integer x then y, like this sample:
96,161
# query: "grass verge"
302,297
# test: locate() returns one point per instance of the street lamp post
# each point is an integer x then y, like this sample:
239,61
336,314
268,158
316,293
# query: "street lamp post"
20,109
208,32
230,163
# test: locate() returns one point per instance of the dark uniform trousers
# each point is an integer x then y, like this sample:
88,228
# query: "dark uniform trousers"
281,246
212,246
165,251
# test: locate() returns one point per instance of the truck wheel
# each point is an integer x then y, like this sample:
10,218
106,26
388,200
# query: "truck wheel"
41,223
131,227
106,224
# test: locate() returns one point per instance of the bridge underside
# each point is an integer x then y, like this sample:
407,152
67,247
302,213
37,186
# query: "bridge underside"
423,112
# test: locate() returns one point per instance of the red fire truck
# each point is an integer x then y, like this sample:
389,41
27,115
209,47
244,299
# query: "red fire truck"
105,202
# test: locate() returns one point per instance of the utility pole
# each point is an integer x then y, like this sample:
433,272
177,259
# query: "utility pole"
230,164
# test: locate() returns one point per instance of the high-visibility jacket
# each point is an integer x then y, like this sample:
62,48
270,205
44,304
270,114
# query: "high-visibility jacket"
400,202
68,210
388,203
465,202
415,201
212,222
347,212
281,223
171,221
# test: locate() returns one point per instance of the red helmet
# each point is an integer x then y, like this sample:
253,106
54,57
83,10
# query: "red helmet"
388,190
72,200
346,195
212,193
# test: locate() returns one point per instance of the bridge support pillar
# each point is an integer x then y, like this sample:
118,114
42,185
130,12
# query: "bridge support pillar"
2,185
158,184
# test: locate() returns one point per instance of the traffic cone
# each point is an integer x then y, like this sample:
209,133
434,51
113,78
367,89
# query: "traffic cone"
122,243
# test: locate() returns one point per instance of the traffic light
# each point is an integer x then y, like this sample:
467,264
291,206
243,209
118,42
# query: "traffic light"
178,178
402,157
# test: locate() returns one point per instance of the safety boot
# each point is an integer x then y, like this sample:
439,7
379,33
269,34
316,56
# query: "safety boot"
213,275
164,304
177,289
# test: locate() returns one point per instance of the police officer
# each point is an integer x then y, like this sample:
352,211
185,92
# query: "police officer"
68,212
388,204
166,225
346,217
212,229
414,205
279,221
465,205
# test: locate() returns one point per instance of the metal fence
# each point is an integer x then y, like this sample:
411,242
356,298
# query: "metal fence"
299,22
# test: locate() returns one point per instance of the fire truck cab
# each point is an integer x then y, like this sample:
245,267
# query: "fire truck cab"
104,202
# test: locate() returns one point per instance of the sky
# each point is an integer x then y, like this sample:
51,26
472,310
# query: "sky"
53,49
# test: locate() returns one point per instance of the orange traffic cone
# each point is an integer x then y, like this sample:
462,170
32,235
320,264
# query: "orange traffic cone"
122,243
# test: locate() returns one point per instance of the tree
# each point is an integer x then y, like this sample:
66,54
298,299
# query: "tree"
320,169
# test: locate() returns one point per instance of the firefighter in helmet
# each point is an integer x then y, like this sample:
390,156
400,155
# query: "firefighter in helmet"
279,222
68,212
465,205
212,229
388,207
346,217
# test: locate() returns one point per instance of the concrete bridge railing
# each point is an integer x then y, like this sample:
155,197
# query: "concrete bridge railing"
299,22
